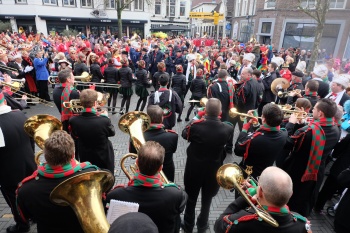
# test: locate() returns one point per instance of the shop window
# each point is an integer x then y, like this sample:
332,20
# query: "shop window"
138,5
299,35
308,4
68,2
170,9
50,2
110,4
182,8
266,27
270,4
337,4
87,3
21,1
158,7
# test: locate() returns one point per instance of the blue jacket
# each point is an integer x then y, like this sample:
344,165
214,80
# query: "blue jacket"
40,69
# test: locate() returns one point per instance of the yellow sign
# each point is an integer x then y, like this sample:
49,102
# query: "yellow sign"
207,15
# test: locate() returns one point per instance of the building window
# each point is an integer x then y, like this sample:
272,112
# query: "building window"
110,4
158,7
246,30
266,27
21,1
244,7
138,5
270,4
337,4
68,2
170,9
238,7
182,8
126,6
87,3
308,4
302,35
50,2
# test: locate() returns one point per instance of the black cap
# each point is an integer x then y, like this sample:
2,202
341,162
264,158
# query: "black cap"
298,74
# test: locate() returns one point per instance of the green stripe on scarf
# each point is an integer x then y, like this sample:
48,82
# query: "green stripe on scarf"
66,113
154,126
231,89
311,93
148,181
90,110
275,210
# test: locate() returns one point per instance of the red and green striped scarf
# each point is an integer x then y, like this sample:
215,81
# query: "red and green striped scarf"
70,168
66,113
257,133
154,126
90,110
317,145
275,210
311,93
231,89
146,181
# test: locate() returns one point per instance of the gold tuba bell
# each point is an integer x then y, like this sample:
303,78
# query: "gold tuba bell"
230,176
40,127
135,123
83,193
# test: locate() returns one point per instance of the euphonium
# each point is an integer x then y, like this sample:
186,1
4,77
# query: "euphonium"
83,193
230,176
40,127
135,123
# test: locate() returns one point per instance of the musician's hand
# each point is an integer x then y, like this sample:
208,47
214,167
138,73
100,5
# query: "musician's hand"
24,97
7,78
254,199
251,112
15,73
292,93
293,118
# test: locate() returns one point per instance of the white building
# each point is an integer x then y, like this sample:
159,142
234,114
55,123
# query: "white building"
93,16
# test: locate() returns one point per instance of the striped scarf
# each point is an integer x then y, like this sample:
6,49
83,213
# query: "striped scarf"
146,181
257,133
275,210
310,93
231,89
154,126
317,145
90,110
66,113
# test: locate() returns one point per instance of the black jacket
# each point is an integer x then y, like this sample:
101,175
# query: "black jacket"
92,133
20,69
247,96
163,205
18,153
223,96
174,105
179,83
95,71
263,149
268,96
34,202
142,79
341,221
179,61
169,63
288,223
79,68
125,75
155,79
111,74
323,88
153,61
341,153
198,88
57,93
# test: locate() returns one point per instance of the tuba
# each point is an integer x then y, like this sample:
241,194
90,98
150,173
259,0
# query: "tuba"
230,176
83,193
135,123
40,127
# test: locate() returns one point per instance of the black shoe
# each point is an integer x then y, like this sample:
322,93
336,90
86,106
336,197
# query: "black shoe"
228,151
27,107
18,228
179,120
184,228
187,119
113,113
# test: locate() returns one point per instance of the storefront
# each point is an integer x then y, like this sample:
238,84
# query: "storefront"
59,24
27,22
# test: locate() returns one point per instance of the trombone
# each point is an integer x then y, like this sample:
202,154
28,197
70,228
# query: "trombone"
8,68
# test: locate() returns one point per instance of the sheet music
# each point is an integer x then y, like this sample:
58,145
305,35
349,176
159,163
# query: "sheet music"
118,208
2,139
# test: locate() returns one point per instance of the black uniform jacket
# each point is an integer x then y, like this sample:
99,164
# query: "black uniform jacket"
341,221
34,202
163,205
125,75
169,141
263,149
288,223
223,96
17,156
92,133
155,79
205,153
198,88
175,104
247,96
111,74
96,73
79,68
179,83
142,80
305,193
323,88
57,93
268,95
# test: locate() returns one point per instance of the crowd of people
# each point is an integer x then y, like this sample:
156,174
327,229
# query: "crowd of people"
294,125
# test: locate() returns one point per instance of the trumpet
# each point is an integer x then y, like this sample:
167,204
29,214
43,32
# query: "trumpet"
282,94
233,113
230,176
288,110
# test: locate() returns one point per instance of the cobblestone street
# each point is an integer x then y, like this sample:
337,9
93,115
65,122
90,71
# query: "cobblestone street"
320,223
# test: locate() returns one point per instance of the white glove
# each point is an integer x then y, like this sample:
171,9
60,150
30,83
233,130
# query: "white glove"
28,69
102,80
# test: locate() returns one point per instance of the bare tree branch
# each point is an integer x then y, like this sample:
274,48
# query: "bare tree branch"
306,11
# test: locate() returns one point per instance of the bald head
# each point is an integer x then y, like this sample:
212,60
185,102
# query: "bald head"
276,185
213,107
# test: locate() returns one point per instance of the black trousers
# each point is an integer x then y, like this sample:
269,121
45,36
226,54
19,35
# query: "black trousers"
234,121
43,89
329,188
9,193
